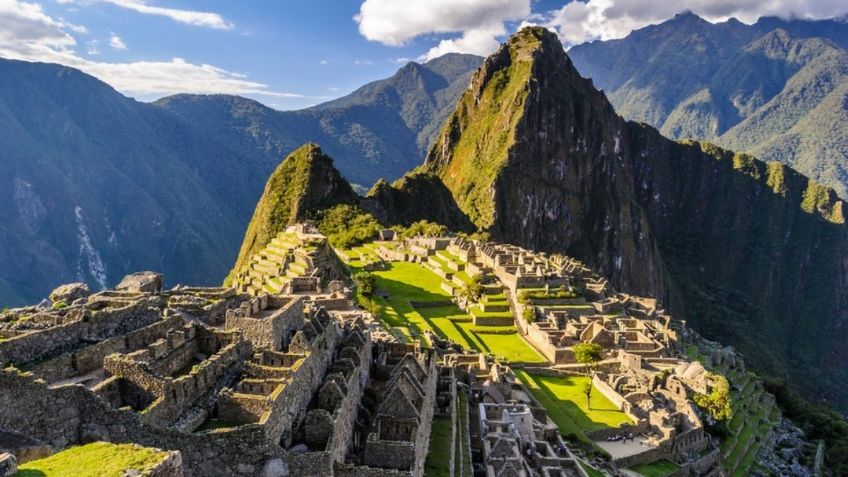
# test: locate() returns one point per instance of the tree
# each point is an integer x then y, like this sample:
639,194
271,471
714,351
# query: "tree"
365,283
529,314
588,354
717,402
473,290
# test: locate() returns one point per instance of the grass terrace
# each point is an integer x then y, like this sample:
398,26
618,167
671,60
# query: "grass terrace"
462,458
660,468
565,401
407,283
439,452
98,459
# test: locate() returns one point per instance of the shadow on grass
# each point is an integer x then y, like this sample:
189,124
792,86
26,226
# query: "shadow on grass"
577,414
30,473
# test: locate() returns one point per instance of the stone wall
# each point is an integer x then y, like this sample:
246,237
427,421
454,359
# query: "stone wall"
288,405
89,326
90,358
70,415
267,322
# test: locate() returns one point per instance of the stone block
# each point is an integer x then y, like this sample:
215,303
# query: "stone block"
8,465
69,293
141,282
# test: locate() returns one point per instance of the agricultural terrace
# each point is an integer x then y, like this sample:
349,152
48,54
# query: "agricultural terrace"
413,301
565,400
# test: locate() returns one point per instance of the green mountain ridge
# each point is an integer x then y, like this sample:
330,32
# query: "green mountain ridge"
773,89
536,156
305,181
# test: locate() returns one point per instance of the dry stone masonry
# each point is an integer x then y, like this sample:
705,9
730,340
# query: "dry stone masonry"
283,375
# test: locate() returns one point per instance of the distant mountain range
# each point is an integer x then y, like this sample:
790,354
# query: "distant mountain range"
381,130
777,89
94,185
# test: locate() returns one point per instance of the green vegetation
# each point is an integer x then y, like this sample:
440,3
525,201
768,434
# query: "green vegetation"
422,228
660,468
529,314
347,226
564,399
817,421
415,303
480,152
526,296
365,282
439,452
593,472
472,289
59,305
717,402
305,181
99,459
462,458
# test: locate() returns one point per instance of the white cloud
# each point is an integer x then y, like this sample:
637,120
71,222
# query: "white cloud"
322,62
117,43
586,20
189,17
92,47
28,33
478,23
363,62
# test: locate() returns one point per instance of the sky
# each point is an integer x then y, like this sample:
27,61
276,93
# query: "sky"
291,54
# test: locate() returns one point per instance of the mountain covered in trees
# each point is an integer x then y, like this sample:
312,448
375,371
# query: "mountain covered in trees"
748,252
777,89
94,185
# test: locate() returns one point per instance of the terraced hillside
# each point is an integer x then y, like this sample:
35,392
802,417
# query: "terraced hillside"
416,298
289,255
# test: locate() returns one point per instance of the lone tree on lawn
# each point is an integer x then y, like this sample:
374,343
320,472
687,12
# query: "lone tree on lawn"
588,354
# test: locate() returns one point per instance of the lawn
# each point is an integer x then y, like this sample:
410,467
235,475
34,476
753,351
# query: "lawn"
438,454
405,283
99,459
462,459
590,470
660,468
565,401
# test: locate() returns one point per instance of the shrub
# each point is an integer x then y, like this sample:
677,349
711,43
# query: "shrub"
347,226
365,282
473,290
529,314
422,228
717,402
559,293
60,305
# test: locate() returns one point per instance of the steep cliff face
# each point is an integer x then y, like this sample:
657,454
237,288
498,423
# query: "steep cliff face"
304,182
749,252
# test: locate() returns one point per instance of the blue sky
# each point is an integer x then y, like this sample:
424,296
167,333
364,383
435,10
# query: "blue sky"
291,54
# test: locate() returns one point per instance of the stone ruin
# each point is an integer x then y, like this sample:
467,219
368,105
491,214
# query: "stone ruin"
281,374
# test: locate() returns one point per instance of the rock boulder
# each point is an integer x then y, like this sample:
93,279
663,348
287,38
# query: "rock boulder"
141,282
8,465
70,293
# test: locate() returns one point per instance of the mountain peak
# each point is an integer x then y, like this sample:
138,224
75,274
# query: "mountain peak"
305,181
477,140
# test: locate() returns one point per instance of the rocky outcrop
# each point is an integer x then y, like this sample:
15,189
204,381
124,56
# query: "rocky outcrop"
141,282
748,252
8,465
69,293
